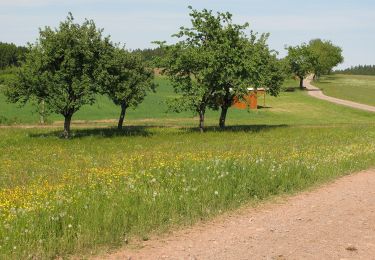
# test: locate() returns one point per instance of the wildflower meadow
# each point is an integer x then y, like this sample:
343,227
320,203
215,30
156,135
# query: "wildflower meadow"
58,198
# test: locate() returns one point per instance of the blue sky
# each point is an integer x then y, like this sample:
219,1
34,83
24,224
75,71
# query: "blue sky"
349,24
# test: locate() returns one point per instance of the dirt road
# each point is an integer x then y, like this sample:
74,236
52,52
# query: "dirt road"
316,92
336,221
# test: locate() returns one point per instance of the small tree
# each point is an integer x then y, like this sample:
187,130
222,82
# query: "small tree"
301,60
61,68
326,56
126,80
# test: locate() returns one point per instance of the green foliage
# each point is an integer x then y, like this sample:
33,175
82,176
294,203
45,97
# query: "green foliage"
264,69
214,61
126,79
61,68
300,59
7,75
150,56
318,57
326,56
358,70
11,55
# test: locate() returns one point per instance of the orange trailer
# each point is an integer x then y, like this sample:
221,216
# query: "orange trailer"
251,100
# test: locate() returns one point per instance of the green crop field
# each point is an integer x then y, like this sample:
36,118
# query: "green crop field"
356,88
105,187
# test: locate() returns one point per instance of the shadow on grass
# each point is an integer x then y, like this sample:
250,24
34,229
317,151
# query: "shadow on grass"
263,107
145,131
312,90
290,89
101,132
323,82
238,128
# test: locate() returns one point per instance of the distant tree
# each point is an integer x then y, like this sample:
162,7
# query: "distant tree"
150,56
126,80
301,60
11,55
61,68
326,56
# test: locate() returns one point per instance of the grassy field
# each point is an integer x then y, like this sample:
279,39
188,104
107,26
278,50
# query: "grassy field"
105,187
288,108
356,88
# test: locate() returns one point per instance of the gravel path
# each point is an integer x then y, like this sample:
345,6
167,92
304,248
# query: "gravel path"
316,92
336,221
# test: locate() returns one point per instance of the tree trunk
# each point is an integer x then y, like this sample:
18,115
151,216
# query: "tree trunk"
301,82
201,121
223,116
42,112
67,121
122,116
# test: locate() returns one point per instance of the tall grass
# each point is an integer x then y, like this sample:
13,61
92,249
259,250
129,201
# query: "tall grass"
60,198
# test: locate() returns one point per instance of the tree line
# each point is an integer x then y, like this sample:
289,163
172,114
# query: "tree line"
11,55
213,61
150,55
358,70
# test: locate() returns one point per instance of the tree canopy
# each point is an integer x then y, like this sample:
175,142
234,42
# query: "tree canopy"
318,57
150,55
11,55
61,68
215,60
326,56
213,63
300,59
125,79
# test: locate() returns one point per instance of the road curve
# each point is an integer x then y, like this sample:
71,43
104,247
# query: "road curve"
317,93
336,221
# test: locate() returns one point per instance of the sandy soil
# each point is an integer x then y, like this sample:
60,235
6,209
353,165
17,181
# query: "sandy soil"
336,221
316,92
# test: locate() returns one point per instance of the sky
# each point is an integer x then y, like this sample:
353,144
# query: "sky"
349,24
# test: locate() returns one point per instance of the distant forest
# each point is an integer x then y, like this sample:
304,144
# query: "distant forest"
358,70
150,55
11,55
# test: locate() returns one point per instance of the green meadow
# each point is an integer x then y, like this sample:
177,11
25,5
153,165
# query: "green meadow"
291,107
357,88
105,188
